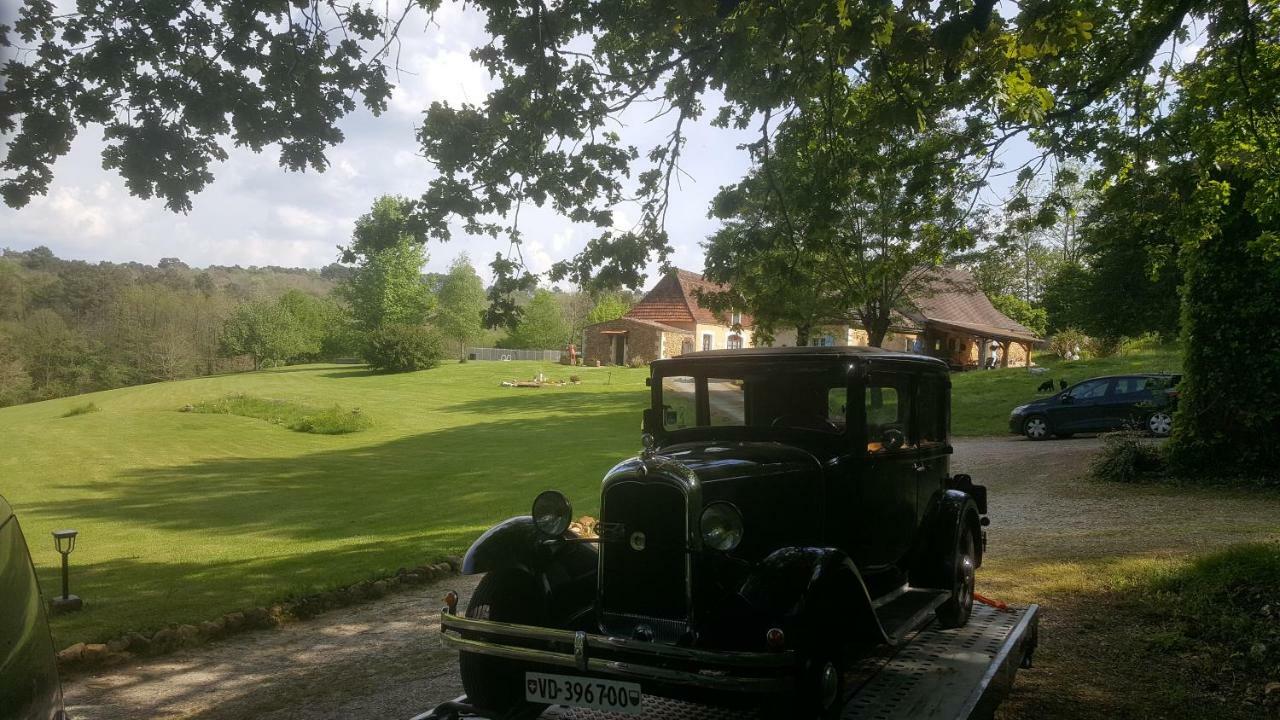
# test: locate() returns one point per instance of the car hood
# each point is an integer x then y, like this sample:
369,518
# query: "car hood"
713,461
1043,402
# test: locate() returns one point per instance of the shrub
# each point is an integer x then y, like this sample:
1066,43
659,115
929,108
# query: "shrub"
333,421
1063,342
402,348
1102,347
635,361
1127,456
83,409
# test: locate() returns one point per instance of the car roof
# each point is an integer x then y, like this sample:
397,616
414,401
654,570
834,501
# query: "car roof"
842,352
1126,375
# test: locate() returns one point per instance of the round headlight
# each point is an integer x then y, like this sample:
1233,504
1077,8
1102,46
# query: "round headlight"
721,526
552,513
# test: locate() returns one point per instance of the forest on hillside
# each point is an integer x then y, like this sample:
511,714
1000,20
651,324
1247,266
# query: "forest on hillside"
70,326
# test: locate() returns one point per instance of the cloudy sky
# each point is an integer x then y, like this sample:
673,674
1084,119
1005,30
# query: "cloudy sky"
256,213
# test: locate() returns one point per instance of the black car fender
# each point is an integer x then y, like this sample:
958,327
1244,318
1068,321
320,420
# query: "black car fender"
814,592
565,570
953,510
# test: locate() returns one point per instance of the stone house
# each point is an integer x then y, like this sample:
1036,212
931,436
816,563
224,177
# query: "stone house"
668,321
947,317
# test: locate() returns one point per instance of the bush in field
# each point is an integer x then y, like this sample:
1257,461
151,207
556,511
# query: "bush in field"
1063,342
300,418
1127,456
402,348
83,409
635,361
1101,347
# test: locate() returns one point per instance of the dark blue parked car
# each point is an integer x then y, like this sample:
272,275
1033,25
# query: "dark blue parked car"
1144,401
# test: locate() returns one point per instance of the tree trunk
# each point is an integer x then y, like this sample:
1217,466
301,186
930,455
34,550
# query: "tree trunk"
876,330
802,334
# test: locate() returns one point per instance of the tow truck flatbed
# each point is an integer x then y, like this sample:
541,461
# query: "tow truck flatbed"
938,674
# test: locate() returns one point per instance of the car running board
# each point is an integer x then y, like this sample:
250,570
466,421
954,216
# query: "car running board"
905,610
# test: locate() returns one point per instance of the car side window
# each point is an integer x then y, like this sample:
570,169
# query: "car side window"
931,411
1090,390
1130,386
887,410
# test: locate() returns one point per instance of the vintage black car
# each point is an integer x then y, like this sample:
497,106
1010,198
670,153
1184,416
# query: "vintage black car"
1145,401
792,509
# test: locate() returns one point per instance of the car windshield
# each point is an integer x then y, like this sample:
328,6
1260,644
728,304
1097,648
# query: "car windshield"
813,401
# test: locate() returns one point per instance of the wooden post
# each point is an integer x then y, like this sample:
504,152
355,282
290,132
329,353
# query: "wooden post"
1028,346
1004,353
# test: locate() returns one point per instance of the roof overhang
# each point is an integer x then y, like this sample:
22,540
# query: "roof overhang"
614,332
985,331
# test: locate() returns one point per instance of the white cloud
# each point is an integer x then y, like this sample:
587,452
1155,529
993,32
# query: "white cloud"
302,220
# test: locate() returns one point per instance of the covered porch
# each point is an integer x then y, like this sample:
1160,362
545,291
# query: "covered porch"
971,346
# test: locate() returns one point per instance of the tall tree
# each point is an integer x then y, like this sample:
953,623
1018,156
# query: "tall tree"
541,326
833,227
267,333
610,306
386,287
461,304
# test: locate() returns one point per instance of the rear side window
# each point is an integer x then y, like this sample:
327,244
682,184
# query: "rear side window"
1132,386
28,670
931,410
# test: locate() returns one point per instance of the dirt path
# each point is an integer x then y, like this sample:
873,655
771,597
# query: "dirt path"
385,660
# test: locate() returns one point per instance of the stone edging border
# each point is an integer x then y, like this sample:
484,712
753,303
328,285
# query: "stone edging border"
83,657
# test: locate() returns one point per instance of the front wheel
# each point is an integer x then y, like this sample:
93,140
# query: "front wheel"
1160,423
956,610
820,690
1036,427
495,684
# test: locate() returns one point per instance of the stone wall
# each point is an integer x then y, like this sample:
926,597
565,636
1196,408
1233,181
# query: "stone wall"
642,340
673,343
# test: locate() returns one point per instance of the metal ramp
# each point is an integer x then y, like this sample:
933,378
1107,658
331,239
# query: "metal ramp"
935,675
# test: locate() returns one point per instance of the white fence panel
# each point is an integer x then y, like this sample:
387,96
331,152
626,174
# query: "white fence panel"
501,354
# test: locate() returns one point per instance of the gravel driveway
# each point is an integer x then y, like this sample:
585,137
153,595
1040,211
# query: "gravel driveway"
385,660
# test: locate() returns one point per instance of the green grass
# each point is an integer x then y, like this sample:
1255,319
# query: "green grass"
183,516
981,399
332,421
82,409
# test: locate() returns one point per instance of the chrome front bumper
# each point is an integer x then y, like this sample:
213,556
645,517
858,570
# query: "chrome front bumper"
753,672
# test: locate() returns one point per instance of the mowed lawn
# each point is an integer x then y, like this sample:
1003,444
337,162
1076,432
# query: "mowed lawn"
185,516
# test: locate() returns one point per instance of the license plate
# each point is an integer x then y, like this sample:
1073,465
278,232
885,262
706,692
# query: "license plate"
612,695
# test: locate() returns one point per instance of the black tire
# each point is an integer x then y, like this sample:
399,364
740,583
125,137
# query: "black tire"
814,697
495,684
1036,427
956,610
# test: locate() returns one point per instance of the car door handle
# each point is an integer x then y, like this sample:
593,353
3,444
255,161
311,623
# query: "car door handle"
919,466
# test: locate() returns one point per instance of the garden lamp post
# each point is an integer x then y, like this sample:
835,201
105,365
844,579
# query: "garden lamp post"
65,542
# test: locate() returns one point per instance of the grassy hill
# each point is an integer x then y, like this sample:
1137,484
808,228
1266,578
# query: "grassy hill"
184,516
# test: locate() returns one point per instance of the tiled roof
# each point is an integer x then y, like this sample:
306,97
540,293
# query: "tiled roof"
675,299
950,296
650,323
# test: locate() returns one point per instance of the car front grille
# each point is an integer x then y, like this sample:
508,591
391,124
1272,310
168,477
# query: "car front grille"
645,587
